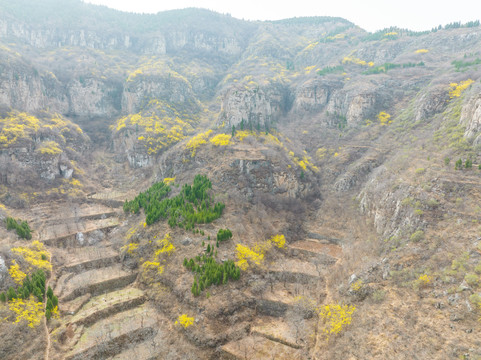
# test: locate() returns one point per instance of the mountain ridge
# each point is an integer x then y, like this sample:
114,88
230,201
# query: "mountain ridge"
344,164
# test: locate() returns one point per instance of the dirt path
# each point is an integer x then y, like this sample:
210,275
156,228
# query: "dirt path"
320,338
47,334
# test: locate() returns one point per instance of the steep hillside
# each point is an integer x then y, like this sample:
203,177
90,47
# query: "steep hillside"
187,185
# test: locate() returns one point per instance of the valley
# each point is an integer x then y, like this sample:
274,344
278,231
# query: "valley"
345,164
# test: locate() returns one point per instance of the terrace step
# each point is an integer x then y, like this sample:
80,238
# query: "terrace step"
109,304
81,218
95,282
110,336
69,238
328,254
259,348
323,238
92,264
295,271
278,299
277,330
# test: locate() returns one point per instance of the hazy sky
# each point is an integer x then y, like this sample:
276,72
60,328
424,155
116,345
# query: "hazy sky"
369,14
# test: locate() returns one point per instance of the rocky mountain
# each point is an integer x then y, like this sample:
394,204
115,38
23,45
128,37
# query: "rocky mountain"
344,164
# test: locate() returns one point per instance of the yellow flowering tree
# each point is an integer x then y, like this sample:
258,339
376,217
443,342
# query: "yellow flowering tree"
384,118
130,248
19,125
29,310
17,275
198,140
278,241
422,281
166,246
357,286
255,256
49,148
457,89
168,181
36,255
336,317
185,321
245,255
242,134
158,126
221,140
152,268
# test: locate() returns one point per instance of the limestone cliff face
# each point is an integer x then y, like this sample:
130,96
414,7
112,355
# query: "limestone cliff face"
55,37
20,88
267,177
471,117
160,110
41,152
128,147
431,102
253,105
25,166
93,98
357,172
168,88
384,204
356,102
314,95
157,42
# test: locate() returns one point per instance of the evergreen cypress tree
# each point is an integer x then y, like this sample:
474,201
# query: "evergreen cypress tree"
38,293
49,305
11,293
49,292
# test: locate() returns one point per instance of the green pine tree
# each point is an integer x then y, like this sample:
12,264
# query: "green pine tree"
49,305
11,293
49,292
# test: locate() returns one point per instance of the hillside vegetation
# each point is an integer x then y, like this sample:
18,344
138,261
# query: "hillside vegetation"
188,185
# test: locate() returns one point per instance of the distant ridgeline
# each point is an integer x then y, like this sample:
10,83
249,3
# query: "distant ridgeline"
76,15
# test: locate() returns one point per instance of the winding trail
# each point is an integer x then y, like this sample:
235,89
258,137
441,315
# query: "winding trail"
47,334
320,339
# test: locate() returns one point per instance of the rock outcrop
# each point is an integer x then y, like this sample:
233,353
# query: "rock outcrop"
38,148
259,106
471,118
392,215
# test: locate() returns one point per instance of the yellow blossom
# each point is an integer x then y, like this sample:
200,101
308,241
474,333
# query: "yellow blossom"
185,321
16,274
